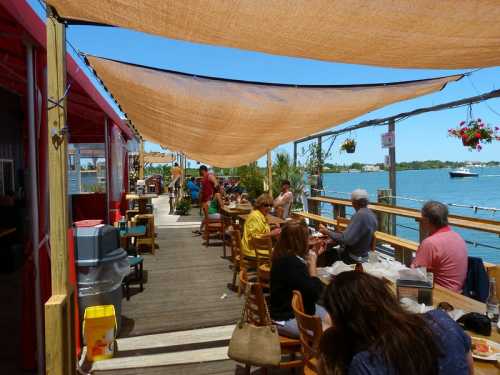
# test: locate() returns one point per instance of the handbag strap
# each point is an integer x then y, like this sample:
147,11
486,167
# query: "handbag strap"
267,317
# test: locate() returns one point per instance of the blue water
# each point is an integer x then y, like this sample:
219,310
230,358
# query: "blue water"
432,184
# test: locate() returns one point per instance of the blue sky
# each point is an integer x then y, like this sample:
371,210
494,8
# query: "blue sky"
418,138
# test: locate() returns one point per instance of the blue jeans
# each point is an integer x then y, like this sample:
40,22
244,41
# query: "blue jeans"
290,328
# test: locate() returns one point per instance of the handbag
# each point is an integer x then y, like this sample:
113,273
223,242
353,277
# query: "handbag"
255,345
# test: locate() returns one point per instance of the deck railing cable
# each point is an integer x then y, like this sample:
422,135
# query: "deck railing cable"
459,205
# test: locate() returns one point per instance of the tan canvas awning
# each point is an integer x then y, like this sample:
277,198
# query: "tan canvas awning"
449,34
229,123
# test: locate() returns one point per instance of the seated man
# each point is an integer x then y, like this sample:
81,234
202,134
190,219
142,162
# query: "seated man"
356,240
444,252
194,189
283,202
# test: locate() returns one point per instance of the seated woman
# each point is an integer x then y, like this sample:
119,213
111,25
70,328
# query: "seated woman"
373,334
256,225
293,268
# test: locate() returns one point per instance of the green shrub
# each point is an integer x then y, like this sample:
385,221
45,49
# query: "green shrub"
183,207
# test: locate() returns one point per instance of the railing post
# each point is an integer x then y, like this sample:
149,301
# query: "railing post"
338,210
385,221
60,350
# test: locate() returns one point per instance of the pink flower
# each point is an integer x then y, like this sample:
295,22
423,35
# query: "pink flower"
462,123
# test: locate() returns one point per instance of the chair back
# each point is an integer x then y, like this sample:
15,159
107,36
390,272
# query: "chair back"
255,303
235,245
263,248
310,329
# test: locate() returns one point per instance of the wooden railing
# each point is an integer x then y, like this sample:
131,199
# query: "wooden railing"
484,225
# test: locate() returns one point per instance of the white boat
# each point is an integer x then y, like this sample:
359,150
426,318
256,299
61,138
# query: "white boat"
462,172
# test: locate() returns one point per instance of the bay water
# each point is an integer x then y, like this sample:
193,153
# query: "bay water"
431,184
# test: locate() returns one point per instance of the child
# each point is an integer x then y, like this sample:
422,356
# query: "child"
171,199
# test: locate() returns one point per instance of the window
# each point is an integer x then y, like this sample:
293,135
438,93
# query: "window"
6,176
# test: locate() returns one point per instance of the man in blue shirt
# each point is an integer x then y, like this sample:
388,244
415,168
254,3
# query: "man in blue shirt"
194,189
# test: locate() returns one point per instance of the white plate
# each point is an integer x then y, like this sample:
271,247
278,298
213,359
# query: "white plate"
492,357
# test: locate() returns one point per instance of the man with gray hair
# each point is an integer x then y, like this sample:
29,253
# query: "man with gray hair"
444,251
356,240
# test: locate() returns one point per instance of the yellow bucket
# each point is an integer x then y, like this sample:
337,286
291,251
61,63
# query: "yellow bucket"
99,330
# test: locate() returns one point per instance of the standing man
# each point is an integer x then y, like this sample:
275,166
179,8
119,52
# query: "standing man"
208,187
283,202
176,173
444,252
356,240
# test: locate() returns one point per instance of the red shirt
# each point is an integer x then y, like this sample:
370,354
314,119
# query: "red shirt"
207,189
444,253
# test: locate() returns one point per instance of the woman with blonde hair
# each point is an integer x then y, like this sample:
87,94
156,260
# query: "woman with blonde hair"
294,268
256,225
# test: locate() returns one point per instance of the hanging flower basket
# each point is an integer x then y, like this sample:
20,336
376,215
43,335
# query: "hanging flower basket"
475,132
348,146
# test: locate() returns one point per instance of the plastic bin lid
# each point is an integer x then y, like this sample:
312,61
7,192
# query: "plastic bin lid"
87,223
112,256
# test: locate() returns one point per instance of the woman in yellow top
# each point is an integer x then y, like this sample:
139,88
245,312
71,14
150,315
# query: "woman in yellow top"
256,225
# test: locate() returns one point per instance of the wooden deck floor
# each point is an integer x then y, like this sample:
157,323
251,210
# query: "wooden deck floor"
185,283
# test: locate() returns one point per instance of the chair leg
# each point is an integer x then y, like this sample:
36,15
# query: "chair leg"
141,276
248,369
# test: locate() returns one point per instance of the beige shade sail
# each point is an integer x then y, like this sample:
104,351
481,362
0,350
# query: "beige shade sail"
442,34
229,123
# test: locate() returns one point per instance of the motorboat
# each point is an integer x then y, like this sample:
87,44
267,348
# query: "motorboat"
462,172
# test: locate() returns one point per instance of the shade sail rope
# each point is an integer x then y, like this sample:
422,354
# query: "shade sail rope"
227,123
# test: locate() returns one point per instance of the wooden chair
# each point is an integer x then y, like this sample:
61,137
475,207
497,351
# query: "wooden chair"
235,255
212,226
227,224
257,315
149,239
263,248
310,329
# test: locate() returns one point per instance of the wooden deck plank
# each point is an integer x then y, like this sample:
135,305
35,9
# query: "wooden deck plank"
185,282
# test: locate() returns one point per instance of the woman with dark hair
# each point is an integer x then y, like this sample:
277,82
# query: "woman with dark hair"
372,334
293,268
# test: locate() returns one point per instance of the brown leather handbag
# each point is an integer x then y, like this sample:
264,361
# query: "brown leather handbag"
255,345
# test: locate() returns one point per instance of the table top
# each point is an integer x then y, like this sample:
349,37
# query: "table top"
239,209
272,220
133,196
459,301
135,231
6,231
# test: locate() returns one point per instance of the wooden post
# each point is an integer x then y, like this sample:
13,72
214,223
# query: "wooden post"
141,160
60,346
270,172
338,210
392,171
385,221
294,154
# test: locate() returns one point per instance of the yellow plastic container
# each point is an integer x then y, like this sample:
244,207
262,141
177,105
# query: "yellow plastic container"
99,330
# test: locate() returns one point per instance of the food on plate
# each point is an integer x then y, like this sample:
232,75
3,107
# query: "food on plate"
482,348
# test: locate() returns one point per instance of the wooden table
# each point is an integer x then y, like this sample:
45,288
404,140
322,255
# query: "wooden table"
272,220
142,200
235,211
466,304
6,231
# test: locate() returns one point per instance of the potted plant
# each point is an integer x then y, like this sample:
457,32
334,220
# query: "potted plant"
349,146
475,132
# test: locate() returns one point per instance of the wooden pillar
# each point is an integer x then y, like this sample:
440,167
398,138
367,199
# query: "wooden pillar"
338,210
385,221
59,310
270,172
392,171
141,160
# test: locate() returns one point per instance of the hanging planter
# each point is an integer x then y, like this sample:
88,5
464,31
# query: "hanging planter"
474,132
349,146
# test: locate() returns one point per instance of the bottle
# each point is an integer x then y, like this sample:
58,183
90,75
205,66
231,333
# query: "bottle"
123,224
492,302
358,267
